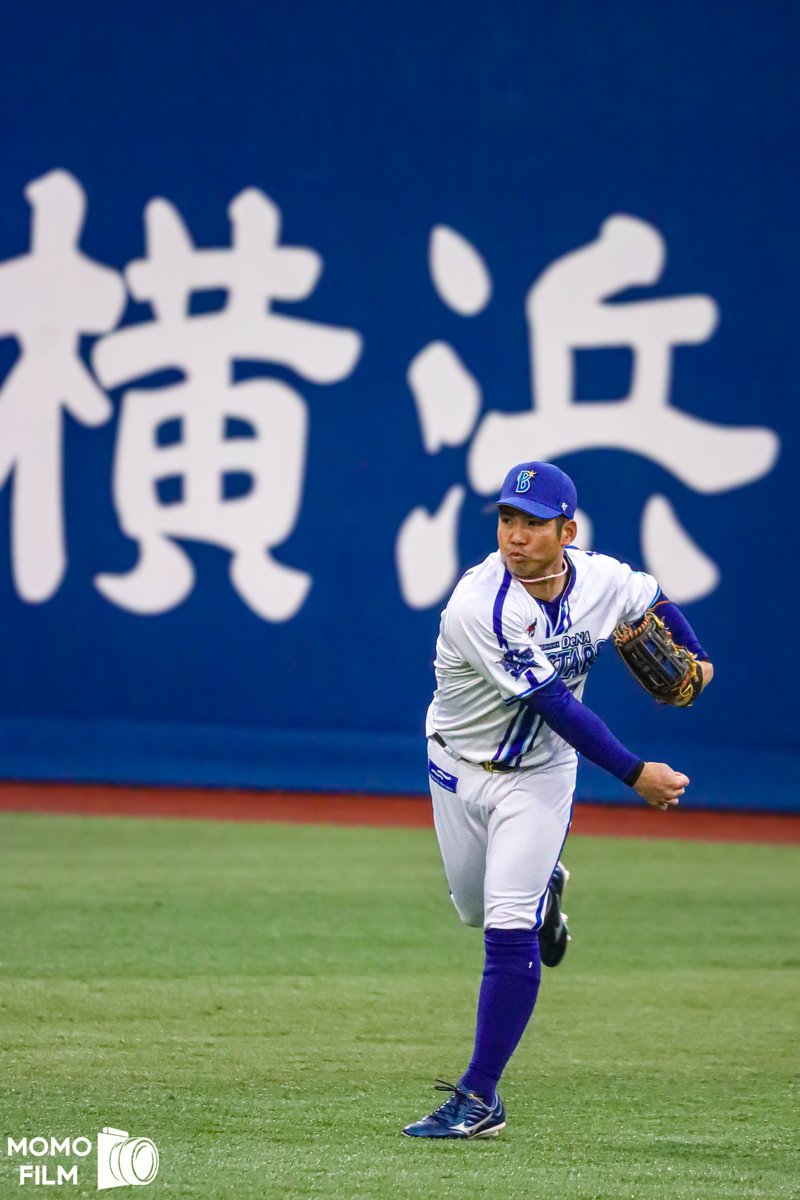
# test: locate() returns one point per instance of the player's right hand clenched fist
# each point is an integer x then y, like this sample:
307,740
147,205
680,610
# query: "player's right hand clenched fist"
660,786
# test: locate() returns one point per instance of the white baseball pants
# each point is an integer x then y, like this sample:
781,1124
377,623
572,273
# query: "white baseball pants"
500,835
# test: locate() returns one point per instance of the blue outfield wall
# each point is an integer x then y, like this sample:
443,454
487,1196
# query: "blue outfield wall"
285,291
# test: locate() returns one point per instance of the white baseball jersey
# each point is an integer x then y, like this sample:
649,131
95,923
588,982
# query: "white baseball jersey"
497,644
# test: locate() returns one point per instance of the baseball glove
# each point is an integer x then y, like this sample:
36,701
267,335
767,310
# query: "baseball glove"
670,673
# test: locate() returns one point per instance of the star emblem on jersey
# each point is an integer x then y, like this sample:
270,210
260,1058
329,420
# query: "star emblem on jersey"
524,480
516,662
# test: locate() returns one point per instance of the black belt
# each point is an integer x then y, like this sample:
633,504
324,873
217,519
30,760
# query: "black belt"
500,768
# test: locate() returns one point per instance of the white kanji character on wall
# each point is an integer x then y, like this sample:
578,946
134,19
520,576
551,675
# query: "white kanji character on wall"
568,309
49,297
233,454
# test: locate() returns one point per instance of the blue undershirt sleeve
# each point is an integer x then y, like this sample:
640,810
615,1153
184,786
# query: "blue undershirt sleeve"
584,730
679,627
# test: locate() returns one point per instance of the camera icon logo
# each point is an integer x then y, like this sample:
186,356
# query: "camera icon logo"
124,1161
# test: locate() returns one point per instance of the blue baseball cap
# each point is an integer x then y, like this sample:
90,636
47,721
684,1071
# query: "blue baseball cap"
541,489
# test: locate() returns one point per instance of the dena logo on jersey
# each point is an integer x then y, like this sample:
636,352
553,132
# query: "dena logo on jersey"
121,1160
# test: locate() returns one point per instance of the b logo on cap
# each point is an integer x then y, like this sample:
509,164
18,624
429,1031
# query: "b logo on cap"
524,481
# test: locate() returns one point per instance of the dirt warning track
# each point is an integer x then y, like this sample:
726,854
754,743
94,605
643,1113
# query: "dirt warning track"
594,820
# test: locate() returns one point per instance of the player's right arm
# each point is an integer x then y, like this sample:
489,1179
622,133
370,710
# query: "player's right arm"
657,783
660,786
496,645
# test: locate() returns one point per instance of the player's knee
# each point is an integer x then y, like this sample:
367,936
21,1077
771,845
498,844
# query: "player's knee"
469,912
508,916
473,919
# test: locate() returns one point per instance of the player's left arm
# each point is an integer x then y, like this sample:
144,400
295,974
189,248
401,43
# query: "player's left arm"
683,634
640,593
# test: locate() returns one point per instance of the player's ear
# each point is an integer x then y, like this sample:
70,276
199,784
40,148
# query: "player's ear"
569,532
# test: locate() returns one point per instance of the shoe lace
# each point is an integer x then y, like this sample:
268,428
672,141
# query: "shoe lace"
458,1095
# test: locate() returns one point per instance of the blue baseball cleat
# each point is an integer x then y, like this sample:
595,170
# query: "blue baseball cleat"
464,1115
554,934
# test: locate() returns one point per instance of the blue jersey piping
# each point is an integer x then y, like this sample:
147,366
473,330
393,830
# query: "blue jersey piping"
497,611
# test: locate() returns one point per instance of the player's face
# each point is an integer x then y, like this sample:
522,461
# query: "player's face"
531,546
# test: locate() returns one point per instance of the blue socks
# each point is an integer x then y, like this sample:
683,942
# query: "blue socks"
508,993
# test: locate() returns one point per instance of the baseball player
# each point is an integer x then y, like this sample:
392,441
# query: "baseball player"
516,642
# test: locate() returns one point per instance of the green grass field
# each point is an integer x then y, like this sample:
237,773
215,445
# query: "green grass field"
271,1003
